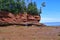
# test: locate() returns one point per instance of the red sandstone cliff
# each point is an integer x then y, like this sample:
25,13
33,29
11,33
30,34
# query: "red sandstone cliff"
9,18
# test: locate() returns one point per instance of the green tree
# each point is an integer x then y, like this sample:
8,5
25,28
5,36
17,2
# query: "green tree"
32,8
16,6
42,5
6,5
24,6
2,4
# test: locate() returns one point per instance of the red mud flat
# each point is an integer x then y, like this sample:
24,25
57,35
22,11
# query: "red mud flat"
29,33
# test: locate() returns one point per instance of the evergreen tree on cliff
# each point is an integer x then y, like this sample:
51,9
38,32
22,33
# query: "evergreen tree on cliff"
19,6
6,5
32,8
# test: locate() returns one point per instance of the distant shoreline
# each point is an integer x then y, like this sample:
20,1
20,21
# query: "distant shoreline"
52,23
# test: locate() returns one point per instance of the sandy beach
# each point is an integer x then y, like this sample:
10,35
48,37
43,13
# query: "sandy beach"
29,33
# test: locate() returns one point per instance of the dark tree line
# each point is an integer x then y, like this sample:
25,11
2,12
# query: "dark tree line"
19,6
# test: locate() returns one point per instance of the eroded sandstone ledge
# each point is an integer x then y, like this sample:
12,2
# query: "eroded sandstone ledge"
7,18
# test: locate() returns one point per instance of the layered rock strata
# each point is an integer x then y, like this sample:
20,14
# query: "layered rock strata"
19,19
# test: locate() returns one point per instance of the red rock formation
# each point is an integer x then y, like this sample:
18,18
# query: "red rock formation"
9,18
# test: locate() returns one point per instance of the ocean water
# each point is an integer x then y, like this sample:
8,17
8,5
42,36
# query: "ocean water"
52,23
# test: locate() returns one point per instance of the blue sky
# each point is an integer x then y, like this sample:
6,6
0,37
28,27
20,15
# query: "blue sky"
50,13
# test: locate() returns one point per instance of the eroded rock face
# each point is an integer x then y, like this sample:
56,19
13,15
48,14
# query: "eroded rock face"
25,19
